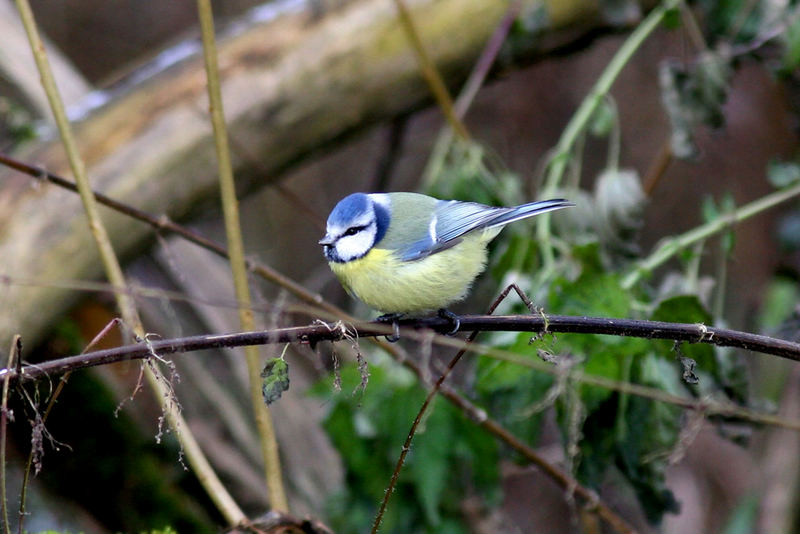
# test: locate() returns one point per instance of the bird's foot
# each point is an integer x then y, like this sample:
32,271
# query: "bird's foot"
455,321
391,318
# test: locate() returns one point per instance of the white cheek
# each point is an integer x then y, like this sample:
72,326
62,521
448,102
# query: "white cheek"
354,246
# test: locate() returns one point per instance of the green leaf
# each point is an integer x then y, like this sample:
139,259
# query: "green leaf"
509,391
734,20
789,232
369,431
672,18
592,293
275,377
652,430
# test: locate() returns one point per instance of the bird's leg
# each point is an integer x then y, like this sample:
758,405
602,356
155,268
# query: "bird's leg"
453,318
391,318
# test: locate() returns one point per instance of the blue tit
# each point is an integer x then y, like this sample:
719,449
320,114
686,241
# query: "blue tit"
407,253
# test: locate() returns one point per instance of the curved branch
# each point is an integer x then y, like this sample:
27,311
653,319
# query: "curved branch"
536,324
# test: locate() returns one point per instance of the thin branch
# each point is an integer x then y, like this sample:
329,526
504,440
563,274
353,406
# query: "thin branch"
657,168
670,247
563,479
538,324
486,60
549,324
432,76
230,208
13,356
116,322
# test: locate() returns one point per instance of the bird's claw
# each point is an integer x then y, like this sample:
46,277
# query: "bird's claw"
453,318
391,318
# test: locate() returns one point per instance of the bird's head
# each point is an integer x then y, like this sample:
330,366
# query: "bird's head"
355,225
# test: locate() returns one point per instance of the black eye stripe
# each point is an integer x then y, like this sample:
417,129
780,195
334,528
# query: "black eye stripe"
353,230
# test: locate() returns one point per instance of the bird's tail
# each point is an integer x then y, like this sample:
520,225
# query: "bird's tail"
529,210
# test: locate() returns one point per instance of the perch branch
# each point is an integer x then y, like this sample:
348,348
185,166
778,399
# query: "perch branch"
550,324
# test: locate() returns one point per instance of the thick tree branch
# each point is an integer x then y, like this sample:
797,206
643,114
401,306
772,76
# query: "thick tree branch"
541,324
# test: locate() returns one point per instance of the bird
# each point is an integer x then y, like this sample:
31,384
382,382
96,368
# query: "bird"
412,254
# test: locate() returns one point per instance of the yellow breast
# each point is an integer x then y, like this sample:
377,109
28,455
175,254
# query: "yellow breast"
386,283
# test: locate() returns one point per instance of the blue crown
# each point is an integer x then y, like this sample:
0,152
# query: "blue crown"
349,208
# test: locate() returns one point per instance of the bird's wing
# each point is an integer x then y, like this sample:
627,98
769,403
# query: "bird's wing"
452,219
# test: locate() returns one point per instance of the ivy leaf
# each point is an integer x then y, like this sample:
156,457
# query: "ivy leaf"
592,293
275,377
510,391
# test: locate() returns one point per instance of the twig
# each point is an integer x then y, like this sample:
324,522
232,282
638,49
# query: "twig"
484,64
13,356
432,76
114,273
470,89
657,168
116,322
230,207
672,246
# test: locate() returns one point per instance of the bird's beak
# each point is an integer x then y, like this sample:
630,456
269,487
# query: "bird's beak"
327,241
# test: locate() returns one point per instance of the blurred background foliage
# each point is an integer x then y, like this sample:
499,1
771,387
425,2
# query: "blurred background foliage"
704,118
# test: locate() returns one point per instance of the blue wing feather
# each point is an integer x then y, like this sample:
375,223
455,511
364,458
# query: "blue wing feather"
454,219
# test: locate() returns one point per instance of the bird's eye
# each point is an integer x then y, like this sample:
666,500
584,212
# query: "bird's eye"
353,230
